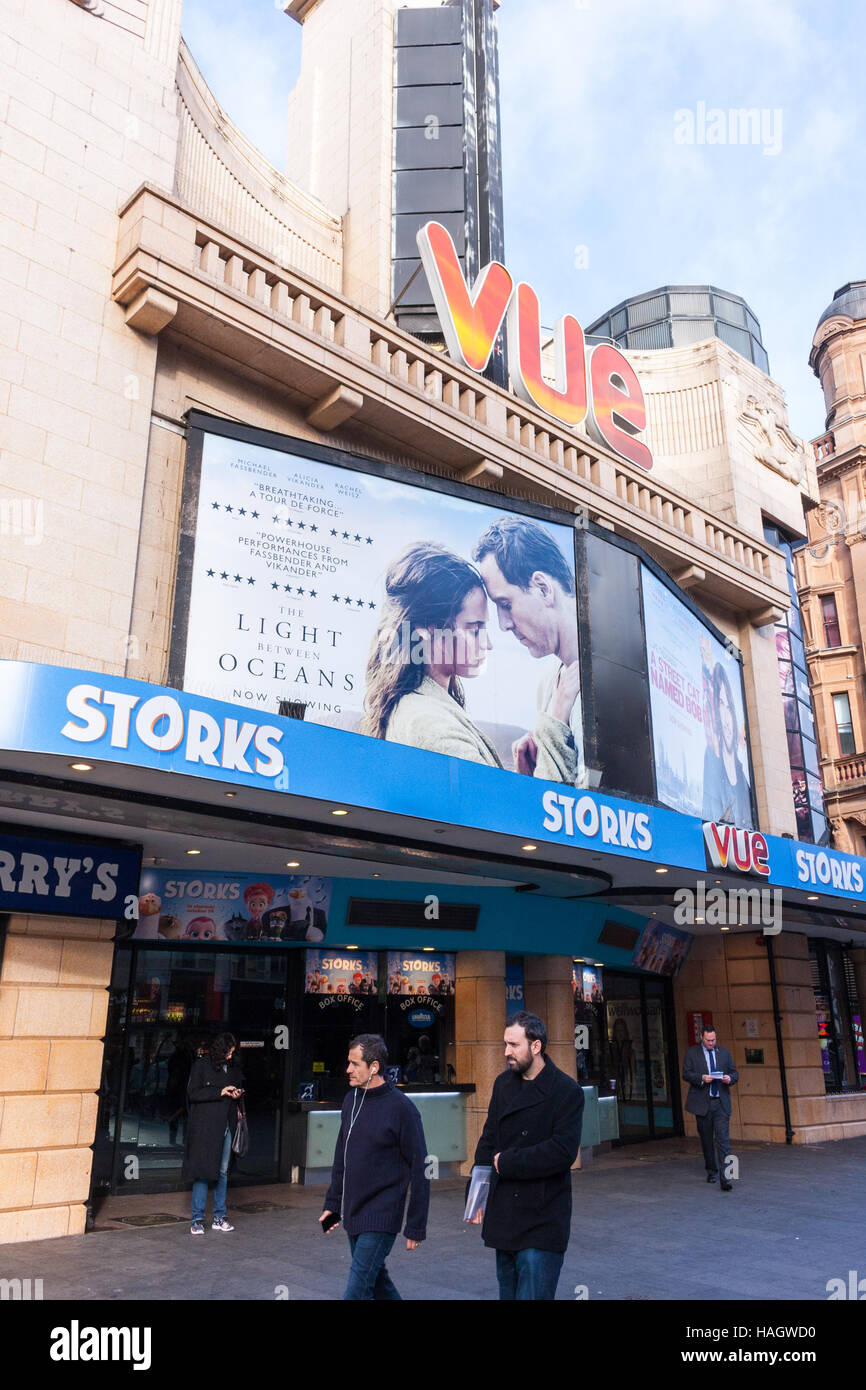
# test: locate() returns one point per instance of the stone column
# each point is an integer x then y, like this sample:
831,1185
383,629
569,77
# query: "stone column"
480,1023
53,1007
548,992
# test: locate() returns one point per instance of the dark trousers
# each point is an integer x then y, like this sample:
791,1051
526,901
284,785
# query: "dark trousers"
525,1274
715,1138
368,1277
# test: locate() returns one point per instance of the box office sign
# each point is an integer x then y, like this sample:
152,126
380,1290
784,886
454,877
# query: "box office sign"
77,880
271,909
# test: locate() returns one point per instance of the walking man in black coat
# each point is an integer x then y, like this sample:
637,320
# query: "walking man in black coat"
710,1072
531,1138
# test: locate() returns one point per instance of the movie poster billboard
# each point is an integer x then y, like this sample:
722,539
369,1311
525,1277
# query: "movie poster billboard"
429,974
195,906
386,608
341,972
661,949
698,718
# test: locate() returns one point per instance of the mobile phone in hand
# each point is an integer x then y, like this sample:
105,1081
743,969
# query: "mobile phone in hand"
330,1222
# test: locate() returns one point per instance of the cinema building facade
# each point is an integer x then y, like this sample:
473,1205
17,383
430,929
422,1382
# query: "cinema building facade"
243,493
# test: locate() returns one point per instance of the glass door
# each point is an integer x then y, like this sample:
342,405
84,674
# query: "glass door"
165,1006
638,1056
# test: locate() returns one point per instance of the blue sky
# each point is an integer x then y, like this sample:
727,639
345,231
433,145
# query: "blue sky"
590,92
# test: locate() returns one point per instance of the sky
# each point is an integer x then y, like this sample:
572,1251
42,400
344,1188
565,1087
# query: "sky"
614,182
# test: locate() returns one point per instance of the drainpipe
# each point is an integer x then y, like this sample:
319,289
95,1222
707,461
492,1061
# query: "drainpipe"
777,1019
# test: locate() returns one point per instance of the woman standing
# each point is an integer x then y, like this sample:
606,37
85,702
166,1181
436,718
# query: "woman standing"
216,1084
432,634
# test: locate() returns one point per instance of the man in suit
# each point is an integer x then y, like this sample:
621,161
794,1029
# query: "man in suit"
709,1100
530,1139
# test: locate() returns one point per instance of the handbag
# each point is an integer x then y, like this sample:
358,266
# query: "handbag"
241,1140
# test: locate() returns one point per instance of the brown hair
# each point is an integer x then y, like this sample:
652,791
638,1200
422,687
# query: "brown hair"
425,587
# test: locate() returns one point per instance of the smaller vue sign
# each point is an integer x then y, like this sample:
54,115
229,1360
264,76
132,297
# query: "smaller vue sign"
730,847
661,949
414,975
72,880
235,908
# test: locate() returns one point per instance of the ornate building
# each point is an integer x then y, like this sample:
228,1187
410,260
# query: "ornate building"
831,569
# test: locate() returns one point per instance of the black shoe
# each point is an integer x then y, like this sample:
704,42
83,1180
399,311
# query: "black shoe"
726,1186
711,1177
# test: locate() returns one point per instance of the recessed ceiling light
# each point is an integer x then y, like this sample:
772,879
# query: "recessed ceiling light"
717,880
739,924
377,875
528,848
231,793
654,914
661,871
339,813
428,948
350,948
81,767
699,919
812,898
293,863
193,851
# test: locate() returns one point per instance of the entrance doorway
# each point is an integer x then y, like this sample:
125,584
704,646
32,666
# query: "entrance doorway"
164,1007
638,1056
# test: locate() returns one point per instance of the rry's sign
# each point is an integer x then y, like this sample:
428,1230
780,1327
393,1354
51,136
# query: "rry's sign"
731,848
597,386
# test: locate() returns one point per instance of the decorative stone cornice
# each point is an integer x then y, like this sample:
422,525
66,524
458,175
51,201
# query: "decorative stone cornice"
274,325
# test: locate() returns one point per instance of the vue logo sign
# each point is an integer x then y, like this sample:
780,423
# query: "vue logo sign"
730,848
595,385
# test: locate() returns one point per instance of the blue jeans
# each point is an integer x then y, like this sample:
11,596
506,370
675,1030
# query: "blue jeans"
199,1189
528,1273
368,1277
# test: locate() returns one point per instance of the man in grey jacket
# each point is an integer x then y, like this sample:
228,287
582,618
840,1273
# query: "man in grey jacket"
710,1072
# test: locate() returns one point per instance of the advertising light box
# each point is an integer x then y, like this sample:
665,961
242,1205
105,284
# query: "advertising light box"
183,906
698,721
385,608
318,584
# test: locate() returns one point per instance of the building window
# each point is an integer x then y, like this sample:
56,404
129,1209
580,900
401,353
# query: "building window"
838,1017
844,727
831,621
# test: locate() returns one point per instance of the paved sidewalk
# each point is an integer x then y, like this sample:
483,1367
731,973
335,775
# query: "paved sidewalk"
646,1226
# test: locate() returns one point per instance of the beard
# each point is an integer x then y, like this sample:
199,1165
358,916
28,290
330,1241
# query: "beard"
520,1065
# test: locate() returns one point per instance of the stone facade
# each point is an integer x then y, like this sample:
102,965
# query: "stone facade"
53,1004
833,566
153,263
729,975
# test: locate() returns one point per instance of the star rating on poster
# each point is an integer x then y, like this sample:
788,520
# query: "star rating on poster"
349,602
293,523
